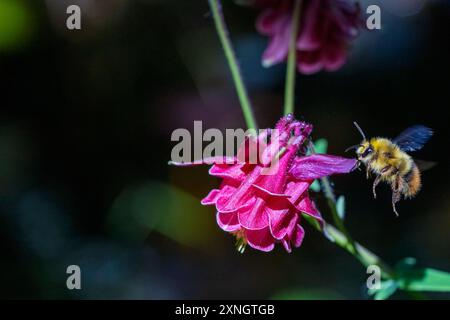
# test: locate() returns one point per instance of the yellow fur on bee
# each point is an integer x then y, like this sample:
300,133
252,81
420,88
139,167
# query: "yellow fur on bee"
387,154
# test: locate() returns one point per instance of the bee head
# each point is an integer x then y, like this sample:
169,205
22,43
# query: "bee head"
364,150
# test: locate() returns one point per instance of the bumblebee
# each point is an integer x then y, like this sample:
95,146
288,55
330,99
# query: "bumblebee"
389,161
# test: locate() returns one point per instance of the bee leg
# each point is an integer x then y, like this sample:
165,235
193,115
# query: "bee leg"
357,166
395,198
375,183
368,172
396,192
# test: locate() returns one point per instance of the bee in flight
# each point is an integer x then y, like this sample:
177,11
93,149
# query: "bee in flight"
390,162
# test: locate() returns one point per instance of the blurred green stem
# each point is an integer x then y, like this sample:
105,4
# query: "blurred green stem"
216,9
364,255
289,93
331,199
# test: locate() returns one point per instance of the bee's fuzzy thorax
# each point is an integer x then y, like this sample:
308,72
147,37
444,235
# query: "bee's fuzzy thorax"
385,154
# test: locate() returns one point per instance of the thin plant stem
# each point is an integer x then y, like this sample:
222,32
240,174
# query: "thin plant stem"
331,199
222,31
366,257
289,93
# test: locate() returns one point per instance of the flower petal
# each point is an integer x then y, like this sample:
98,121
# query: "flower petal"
228,221
260,239
255,217
278,47
211,198
281,222
295,189
307,206
228,171
311,31
208,161
309,62
320,165
297,236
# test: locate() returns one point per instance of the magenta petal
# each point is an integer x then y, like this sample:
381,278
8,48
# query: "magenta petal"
266,22
228,171
306,205
260,239
320,165
211,198
266,193
287,245
295,237
223,205
298,235
295,189
255,217
210,160
274,181
278,46
281,222
311,31
309,62
228,221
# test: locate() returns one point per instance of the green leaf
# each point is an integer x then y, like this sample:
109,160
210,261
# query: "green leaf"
315,186
312,221
321,146
340,207
387,289
424,280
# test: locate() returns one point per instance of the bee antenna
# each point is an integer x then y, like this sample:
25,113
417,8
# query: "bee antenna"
356,146
360,130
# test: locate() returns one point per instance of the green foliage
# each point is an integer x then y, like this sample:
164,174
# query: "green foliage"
421,279
315,186
387,289
320,146
340,207
411,279
16,24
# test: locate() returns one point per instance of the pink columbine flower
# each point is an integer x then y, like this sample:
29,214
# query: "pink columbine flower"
262,204
326,29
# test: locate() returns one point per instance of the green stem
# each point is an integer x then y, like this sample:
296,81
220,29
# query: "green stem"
289,93
328,191
365,256
222,31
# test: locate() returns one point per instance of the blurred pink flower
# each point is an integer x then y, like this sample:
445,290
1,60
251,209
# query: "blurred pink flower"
260,207
326,30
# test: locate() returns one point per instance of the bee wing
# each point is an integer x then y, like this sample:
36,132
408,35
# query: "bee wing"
413,138
424,165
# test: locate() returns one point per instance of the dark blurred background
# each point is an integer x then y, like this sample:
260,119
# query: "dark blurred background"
85,124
